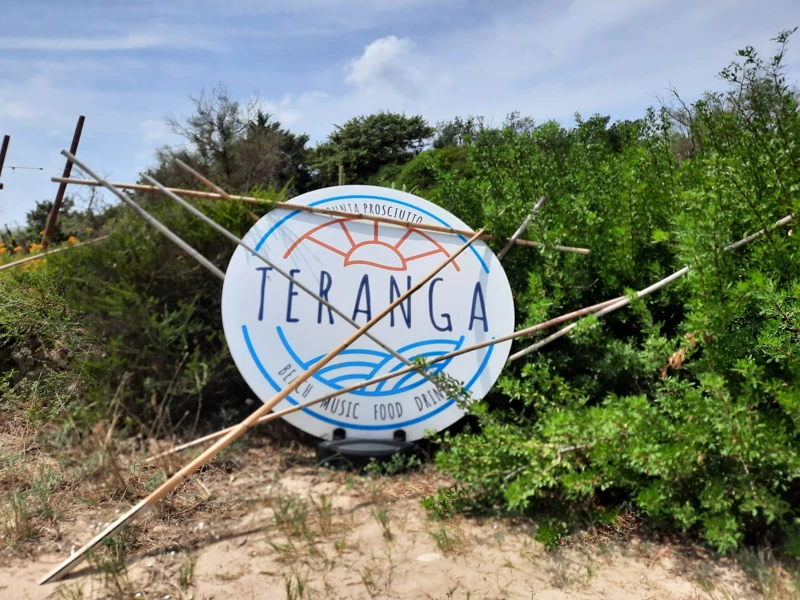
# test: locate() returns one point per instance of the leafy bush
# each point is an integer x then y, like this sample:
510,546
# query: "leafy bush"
687,403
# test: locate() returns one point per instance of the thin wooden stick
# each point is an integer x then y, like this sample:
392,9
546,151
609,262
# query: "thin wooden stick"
644,292
238,431
205,181
521,333
616,306
199,214
759,233
513,239
48,253
316,210
147,217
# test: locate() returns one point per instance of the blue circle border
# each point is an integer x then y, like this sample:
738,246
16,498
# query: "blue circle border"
324,418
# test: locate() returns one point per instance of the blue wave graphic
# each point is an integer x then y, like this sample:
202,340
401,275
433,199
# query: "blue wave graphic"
353,365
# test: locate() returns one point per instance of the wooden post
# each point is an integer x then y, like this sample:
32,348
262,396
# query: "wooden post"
171,236
341,174
50,228
3,150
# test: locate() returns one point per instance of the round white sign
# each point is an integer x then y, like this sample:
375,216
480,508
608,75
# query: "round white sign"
275,331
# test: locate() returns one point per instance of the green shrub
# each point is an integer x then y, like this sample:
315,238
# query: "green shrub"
686,403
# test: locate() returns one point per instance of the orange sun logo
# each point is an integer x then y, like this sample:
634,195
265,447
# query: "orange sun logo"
373,251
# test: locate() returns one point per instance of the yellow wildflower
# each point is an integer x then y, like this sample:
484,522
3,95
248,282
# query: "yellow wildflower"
72,239
18,249
34,247
3,250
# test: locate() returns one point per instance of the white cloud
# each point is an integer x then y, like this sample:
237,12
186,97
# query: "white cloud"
548,60
17,110
158,36
155,133
387,62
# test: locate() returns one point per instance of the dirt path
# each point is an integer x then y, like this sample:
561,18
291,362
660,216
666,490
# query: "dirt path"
274,530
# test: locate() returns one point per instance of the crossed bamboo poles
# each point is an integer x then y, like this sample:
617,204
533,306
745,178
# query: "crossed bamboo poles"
262,414
221,195
238,431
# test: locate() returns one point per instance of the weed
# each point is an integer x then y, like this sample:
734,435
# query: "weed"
69,592
291,516
398,463
446,503
296,586
551,533
17,524
369,581
186,570
382,517
324,514
767,574
25,506
450,540
110,560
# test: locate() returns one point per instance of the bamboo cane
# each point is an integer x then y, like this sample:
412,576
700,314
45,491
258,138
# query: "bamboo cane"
238,431
521,333
34,257
759,233
147,217
317,210
513,239
205,181
616,306
199,214
644,292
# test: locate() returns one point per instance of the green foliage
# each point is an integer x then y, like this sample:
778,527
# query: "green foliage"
447,502
364,145
237,145
551,532
686,403
131,308
457,132
72,222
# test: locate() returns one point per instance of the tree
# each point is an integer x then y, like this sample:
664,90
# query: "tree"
238,146
457,131
72,221
366,144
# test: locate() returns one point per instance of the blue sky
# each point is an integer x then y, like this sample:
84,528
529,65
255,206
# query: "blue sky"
127,65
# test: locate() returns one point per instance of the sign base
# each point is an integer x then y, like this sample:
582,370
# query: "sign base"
356,453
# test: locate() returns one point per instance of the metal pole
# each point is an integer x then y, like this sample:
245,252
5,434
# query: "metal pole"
3,150
50,228
148,217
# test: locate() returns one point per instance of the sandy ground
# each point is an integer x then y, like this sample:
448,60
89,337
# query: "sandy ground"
265,528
